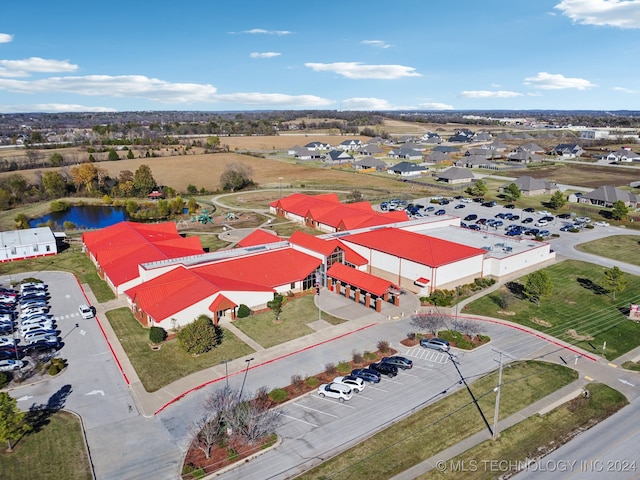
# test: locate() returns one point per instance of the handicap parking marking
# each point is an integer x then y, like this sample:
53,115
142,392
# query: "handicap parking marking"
314,409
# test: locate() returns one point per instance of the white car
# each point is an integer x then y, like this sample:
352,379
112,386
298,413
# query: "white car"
30,312
466,200
32,286
7,341
583,220
34,327
335,390
544,213
601,224
8,365
354,383
42,337
542,223
35,320
85,311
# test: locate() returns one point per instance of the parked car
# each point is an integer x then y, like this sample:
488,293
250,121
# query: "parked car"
541,223
40,346
601,224
86,311
511,205
9,365
529,210
474,227
400,362
479,199
440,212
527,220
11,353
460,205
436,344
384,369
33,286
430,208
366,374
47,337
470,217
513,218
544,233
564,215
335,390
7,341
356,384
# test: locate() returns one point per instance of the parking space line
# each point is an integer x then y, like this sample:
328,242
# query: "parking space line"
297,419
377,388
405,374
428,367
391,380
313,409
335,401
359,395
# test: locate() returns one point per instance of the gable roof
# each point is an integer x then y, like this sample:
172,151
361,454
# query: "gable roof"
326,247
527,183
422,249
610,194
406,167
259,237
456,173
365,281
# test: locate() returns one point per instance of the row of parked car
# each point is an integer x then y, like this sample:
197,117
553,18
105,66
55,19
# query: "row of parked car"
343,387
25,312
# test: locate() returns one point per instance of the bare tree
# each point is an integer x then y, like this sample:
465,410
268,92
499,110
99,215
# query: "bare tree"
206,434
428,322
467,327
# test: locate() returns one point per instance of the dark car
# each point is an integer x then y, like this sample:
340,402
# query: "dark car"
527,220
487,204
529,210
11,352
366,374
511,205
471,216
41,346
440,212
478,199
444,201
460,205
402,363
514,218
473,226
384,369
564,215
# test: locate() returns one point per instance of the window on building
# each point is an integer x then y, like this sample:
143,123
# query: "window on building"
48,248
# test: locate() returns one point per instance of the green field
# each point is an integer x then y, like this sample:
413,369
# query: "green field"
295,316
53,452
623,248
443,424
157,368
578,311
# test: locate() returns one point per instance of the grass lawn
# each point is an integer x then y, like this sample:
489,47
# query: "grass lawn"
624,248
296,313
444,423
526,439
71,260
157,368
577,312
56,451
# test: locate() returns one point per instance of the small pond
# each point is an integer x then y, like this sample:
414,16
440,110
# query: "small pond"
85,216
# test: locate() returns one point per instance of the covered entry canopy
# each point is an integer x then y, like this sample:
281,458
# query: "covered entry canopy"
364,281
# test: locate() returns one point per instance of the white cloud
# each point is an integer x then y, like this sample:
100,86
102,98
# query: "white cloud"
435,106
264,54
367,104
624,90
5,38
611,13
262,31
557,81
24,67
359,71
489,94
376,43
63,107
274,99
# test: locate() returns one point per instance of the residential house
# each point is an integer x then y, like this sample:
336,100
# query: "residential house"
27,243
338,157
405,153
607,195
318,146
303,153
431,138
407,169
568,150
370,163
370,149
436,157
462,136
456,175
477,161
350,145
446,149
623,155
530,186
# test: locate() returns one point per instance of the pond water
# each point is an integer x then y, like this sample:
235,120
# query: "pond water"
85,216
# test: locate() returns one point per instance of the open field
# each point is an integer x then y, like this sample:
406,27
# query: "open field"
443,424
157,368
53,451
579,311
534,435
623,248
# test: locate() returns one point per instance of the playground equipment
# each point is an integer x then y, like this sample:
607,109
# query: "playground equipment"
203,217
231,216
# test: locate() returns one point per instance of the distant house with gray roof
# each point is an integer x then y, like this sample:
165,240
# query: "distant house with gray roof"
338,156
367,163
530,186
352,144
522,156
405,154
436,157
370,150
607,195
315,146
456,175
406,169
477,161
568,150
303,153
623,155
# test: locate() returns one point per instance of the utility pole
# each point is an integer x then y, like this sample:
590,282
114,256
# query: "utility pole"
318,295
498,390
455,364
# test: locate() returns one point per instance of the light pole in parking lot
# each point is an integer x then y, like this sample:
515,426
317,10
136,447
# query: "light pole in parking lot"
246,370
226,372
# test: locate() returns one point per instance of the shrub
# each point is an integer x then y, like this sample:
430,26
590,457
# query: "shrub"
60,362
58,206
330,368
200,336
411,335
297,381
343,368
383,346
4,379
312,382
369,356
232,453
243,311
356,357
278,395
157,334
483,338
54,369
464,344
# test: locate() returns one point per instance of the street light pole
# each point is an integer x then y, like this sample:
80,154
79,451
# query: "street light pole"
226,372
246,370
497,390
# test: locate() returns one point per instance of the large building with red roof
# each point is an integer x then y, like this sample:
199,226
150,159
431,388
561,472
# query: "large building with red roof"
327,214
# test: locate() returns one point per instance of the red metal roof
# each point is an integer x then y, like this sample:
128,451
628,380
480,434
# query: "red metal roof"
259,237
326,247
416,247
221,303
365,281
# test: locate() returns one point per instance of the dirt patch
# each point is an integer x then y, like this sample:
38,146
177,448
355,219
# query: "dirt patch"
507,312
542,323
576,336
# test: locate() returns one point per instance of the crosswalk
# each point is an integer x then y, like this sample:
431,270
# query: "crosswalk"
428,354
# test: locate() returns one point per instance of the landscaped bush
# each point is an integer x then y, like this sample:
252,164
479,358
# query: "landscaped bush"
411,335
297,381
157,335
343,368
4,379
484,338
330,368
54,369
369,356
278,395
356,357
383,346
243,311
312,382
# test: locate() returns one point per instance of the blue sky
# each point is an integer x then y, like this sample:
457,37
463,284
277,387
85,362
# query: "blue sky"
210,55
